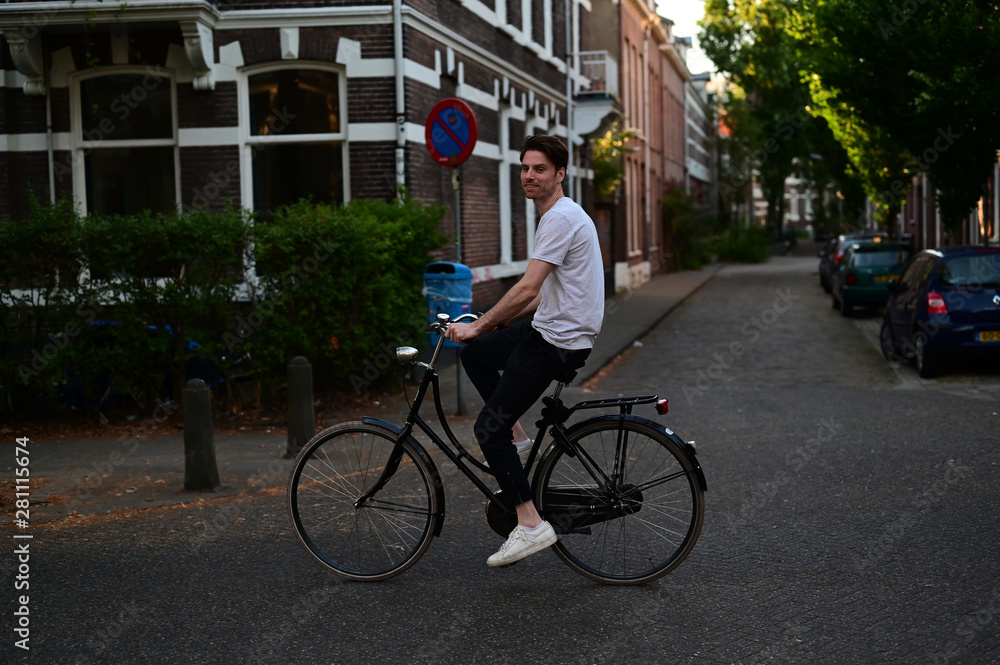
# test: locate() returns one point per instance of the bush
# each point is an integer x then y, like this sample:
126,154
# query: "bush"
340,286
746,244
688,236
38,287
99,308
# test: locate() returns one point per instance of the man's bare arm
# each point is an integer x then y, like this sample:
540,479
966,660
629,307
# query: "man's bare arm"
520,301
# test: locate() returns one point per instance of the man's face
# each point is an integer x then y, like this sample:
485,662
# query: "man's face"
539,176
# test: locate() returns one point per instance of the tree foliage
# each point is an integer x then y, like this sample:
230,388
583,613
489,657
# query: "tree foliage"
606,159
905,87
767,110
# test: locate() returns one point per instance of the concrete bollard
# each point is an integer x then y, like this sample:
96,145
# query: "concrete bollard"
301,414
200,471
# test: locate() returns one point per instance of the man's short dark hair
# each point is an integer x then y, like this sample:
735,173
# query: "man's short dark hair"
550,146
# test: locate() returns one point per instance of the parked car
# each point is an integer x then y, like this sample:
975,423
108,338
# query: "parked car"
830,257
862,278
946,303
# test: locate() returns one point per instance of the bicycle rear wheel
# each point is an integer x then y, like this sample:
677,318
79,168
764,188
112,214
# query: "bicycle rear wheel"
642,515
385,535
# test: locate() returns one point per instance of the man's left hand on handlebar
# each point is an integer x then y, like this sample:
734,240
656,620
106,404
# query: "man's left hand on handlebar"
462,333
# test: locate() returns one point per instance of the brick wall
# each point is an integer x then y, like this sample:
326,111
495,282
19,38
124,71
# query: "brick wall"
196,108
371,100
373,170
210,176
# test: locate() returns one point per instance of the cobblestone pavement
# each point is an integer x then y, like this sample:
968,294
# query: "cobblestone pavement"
850,511
851,519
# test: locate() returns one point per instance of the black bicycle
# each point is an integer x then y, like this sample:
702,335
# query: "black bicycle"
624,493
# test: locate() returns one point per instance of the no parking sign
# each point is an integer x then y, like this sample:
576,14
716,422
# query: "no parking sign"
451,132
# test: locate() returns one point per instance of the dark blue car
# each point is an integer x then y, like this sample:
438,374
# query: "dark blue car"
946,303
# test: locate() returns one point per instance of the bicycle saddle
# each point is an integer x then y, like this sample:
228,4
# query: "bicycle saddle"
566,377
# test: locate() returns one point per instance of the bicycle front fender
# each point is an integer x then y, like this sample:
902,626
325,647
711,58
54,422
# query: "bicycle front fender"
419,450
687,449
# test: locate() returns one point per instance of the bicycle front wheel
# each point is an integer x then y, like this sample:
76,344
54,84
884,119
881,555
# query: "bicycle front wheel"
385,535
638,518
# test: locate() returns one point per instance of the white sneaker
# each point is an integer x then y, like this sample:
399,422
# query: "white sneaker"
524,451
520,544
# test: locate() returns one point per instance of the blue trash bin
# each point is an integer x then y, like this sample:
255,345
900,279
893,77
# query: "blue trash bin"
448,288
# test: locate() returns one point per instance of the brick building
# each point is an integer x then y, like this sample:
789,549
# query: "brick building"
174,103
919,219
652,102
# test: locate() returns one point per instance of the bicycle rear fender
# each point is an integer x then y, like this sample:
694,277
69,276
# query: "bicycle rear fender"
435,476
686,448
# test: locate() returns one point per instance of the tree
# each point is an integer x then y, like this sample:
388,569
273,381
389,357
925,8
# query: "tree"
907,87
606,159
767,113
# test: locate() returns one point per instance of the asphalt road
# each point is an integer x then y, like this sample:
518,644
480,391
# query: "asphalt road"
851,519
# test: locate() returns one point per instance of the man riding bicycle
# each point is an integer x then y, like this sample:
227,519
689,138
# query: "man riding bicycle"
543,327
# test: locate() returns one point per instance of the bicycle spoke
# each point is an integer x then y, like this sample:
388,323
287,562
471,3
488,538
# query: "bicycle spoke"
383,536
634,529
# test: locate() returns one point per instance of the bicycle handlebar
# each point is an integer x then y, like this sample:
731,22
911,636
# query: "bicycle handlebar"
440,326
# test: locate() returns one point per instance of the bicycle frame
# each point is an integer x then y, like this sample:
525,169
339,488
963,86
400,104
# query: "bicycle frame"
554,415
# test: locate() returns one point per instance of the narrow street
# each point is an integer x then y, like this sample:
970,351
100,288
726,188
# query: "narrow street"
851,518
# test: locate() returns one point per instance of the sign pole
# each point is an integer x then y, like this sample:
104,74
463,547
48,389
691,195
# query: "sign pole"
456,184
451,132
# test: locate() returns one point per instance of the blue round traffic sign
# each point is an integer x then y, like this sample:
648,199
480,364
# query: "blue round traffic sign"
451,132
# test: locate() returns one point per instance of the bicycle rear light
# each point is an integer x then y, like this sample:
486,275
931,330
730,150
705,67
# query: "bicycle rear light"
661,407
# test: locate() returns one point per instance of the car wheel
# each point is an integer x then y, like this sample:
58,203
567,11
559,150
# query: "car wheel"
927,362
886,342
845,309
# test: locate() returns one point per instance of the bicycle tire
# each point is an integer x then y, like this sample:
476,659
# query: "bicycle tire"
660,502
386,535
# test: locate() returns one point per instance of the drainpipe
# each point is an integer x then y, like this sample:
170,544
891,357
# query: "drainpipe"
397,35
569,96
47,65
648,134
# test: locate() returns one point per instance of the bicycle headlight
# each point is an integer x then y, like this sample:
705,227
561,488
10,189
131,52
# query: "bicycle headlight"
406,354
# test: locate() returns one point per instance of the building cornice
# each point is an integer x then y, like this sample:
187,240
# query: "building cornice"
21,23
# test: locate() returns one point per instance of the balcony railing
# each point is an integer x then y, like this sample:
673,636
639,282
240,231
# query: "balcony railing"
602,71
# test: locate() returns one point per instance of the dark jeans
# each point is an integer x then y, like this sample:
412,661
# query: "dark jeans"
529,365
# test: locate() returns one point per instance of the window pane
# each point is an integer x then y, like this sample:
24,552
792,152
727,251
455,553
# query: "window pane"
294,101
125,181
119,107
285,173
974,271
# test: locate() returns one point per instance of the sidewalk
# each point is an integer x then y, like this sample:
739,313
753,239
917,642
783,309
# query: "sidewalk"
97,476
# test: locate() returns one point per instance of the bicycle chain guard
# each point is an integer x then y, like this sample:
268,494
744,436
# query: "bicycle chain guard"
501,522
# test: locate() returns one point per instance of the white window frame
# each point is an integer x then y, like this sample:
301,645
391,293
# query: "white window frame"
79,146
248,141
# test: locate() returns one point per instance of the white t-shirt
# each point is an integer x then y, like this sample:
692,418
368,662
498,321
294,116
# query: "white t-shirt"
572,306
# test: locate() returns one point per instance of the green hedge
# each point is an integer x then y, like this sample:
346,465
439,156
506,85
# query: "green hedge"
106,308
